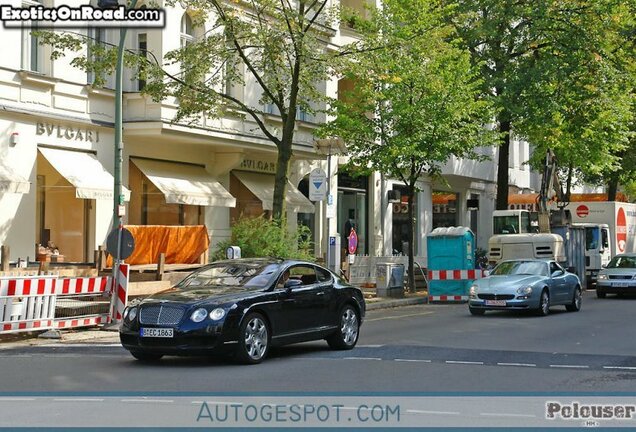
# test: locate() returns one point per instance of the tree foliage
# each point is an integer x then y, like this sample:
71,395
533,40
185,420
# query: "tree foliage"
413,102
279,46
550,68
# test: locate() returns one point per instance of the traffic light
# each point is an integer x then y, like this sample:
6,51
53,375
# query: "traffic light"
107,4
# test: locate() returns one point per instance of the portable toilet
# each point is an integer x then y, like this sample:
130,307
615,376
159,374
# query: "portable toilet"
450,248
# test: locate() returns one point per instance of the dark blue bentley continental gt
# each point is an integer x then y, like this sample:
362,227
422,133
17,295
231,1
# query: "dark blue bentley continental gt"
245,306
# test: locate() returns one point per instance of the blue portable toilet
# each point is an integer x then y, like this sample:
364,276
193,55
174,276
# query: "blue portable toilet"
450,248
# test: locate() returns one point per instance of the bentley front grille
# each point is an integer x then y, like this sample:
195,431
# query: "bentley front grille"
161,315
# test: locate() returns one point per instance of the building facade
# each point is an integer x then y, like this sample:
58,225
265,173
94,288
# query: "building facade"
57,160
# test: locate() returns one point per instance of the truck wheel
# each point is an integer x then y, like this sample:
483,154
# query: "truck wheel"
575,306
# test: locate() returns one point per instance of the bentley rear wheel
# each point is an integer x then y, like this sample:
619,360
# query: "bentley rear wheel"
346,337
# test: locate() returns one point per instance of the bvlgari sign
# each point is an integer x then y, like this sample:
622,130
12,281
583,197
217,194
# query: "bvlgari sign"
258,166
67,132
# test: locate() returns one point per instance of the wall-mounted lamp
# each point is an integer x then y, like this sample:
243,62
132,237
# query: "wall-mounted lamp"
14,139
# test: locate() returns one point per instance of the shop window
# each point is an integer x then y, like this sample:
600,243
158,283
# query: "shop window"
400,240
98,39
142,51
187,30
353,210
445,209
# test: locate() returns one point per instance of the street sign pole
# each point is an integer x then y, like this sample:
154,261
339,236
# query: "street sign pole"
329,202
119,148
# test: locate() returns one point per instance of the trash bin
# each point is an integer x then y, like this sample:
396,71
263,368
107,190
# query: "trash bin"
389,280
450,248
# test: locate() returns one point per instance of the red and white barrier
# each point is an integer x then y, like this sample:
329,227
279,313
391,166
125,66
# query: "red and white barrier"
121,292
453,275
456,274
29,303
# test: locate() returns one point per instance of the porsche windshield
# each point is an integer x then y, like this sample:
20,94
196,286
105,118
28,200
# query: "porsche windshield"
251,276
521,268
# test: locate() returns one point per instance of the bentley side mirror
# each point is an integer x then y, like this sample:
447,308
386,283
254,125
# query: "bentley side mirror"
291,283
486,273
571,269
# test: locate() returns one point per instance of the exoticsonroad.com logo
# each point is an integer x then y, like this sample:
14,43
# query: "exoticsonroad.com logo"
81,16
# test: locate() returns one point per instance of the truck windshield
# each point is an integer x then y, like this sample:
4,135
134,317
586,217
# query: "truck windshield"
521,268
506,225
622,262
591,238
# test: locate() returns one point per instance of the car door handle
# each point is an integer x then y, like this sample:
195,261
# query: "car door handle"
321,293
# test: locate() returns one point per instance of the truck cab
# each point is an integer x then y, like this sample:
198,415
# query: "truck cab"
598,249
512,222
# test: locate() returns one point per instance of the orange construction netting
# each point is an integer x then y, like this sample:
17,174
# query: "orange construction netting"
181,244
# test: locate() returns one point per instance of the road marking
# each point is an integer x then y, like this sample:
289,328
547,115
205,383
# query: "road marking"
78,400
412,360
433,412
517,364
17,399
463,362
361,358
399,316
620,367
149,400
570,366
507,415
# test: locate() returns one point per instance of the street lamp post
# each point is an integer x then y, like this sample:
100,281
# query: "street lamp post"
118,198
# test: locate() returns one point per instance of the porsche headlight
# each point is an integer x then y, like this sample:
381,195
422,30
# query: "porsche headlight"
602,276
217,314
131,314
525,291
199,315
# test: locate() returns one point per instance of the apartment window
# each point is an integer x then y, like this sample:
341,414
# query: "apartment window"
142,50
32,53
187,30
97,38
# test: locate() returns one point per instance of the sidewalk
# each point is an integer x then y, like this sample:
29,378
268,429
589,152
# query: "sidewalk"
94,335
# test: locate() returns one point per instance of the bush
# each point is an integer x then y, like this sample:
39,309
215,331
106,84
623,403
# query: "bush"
261,237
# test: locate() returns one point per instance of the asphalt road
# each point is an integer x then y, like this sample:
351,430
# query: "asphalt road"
424,349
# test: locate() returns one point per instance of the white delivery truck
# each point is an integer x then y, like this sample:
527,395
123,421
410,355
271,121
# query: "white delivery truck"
620,218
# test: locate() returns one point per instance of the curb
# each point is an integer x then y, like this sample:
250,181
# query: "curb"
396,303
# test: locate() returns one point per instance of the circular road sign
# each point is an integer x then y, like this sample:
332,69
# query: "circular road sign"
353,242
127,243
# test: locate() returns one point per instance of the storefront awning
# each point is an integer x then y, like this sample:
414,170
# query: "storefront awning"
262,185
84,172
12,182
185,184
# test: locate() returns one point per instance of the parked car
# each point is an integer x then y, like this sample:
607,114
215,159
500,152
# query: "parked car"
526,284
245,306
618,277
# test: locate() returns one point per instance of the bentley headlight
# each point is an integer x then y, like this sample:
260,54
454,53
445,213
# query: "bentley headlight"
602,276
217,314
132,314
199,315
473,291
525,291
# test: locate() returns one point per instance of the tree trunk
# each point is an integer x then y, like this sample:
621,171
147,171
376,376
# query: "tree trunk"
280,180
612,188
502,167
411,231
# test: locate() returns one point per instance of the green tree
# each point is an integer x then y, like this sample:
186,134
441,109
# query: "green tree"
414,101
279,45
544,64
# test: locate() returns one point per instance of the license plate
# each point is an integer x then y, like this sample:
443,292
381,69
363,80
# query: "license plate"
620,284
157,332
495,302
